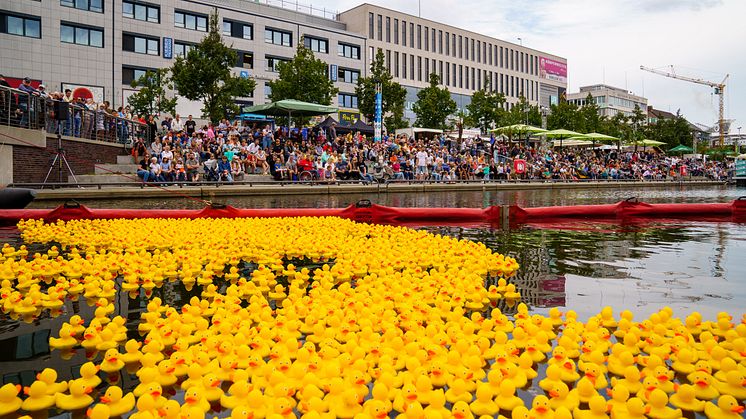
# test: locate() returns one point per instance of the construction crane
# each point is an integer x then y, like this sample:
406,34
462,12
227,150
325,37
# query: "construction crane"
719,90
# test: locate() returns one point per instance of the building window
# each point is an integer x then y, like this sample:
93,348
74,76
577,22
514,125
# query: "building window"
404,33
427,42
89,5
404,65
130,74
411,35
448,43
419,36
267,91
140,44
460,76
274,62
427,69
182,48
419,68
238,29
348,51
370,25
396,64
453,74
460,47
448,74
440,42
432,39
466,50
278,37
245,60
388,29
396,31
21,25
347,100
190,21
81,35
139,11
479,51
380,28
316,44
347,75
411,67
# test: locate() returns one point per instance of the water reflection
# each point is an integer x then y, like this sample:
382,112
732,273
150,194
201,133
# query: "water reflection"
683,265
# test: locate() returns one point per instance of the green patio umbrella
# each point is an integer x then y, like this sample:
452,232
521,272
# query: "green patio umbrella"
645,143
571,142
291,107
562,134
599,137
518,129
681,148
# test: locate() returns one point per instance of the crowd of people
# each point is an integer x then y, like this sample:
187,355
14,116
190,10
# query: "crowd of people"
228,151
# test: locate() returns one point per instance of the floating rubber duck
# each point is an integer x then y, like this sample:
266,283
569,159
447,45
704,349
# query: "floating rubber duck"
703,388
99,411
65,341
457,392
483,404
506,399
631,380
734,385
112,361
596,409
38,397
9,400
49,377
117,403
78,398
561,396
685,399
657,406
727,408
89,375
460,410
540,408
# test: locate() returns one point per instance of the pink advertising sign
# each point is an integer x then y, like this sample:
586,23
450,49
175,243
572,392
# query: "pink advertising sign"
552,69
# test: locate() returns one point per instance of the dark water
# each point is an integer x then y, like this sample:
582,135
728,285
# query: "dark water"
686,265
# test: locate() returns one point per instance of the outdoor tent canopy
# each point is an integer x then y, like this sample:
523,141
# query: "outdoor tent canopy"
290,107
681,148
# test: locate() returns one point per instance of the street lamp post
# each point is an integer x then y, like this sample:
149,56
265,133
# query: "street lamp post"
738,149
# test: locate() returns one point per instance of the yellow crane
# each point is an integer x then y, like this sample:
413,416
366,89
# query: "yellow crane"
719,90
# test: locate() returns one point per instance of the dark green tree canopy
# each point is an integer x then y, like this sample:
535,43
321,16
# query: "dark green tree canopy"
304,78
393,94
205,75
434,105
151,98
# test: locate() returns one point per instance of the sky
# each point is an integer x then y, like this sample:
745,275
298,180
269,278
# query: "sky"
606,41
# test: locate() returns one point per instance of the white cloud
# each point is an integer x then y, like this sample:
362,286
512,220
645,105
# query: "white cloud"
607,41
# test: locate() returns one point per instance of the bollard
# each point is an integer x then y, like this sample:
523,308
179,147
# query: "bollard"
505,217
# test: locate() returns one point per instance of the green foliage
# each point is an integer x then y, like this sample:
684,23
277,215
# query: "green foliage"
523,113
672,131
205,75
589,115
434,105
564,115
393,95
486,109
304,78
151,98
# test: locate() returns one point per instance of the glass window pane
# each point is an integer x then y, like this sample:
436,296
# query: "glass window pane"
96,6
97,39
152,47
153,15
140,45
201,24
140,12
15,25
191,22
68,3
267,35
277,38
179,19
32,28
67,34
178,49
128,10
226,28
247,32
81,36
81,4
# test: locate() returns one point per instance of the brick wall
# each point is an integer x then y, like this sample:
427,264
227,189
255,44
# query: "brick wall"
30,164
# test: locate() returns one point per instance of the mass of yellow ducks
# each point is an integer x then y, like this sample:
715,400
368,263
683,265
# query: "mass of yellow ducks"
394,323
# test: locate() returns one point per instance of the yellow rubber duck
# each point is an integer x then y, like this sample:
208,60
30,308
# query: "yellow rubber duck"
553,376
483,404
112,361
540,408
635,408
734,385
685,399
99,411
89,375
684,363
703,388
49,377
460,410
38,397
506,399
65,341
726,408
594,373
596,409
457,392
77,399
561,396
9,400
658,409
631,380
239,393
117,403
194,397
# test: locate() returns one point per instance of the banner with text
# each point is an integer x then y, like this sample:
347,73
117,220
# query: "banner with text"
552,70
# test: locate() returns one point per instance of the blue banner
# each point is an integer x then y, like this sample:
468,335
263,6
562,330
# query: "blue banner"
168,48
377,118
333,70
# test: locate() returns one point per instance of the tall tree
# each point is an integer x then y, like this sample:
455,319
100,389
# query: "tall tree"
523,113
392,94
564,115
304,78
434,105
151,98
485,109
205,75
591,120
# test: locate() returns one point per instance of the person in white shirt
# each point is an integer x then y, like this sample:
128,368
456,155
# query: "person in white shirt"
421,157
177,125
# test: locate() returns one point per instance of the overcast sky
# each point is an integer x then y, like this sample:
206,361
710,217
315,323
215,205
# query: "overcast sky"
608,40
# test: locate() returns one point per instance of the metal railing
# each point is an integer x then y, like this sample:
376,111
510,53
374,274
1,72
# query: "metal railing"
23,110
308,9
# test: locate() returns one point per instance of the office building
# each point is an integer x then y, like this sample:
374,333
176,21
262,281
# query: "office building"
97,47
610,100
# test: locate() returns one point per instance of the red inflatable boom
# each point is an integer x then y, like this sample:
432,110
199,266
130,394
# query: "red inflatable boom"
364,211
